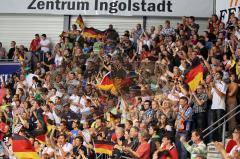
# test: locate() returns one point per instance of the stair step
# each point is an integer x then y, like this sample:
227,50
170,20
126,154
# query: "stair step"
212,153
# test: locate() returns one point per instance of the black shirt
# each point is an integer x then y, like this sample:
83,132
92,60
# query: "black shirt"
204,52
11,53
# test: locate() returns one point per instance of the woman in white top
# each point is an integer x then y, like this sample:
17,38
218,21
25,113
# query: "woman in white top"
58,58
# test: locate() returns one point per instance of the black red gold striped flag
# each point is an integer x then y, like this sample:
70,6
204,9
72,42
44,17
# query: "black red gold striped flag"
194,76
80,22
103,147
22,148
107,84
93,33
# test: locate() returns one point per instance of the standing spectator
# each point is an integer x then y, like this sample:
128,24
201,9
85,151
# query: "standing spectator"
168,30
192,26
45,46
199,100
11,50
218,96
35,44
136,33
3,53
183,125
198,147
112,34
232,101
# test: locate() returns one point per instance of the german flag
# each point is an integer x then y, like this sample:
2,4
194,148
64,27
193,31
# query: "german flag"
194,76
93,33
41,138
23,149
80,22
103,147
107,84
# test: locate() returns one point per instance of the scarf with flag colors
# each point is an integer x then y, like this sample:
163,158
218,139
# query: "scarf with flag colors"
103,147
194,76
22,148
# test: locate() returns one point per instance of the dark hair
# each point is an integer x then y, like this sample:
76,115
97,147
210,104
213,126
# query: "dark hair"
130,122
37,35
80,138
192,17
184,98
221,73
198,132
148,101
237,128
169,136
154,127
145,47
44,35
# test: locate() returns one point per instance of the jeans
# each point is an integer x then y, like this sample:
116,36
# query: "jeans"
199,121
214,115
182,152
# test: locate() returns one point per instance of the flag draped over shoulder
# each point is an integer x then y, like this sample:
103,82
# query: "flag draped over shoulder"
80,22
103,147
194,76
22,148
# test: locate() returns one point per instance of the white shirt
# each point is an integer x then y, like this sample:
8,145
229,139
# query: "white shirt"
75,99
66,148
217,101
47,150
44,43
234,149
57,119
58,60
53,98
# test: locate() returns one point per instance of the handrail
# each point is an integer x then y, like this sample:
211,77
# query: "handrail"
221,124
221,118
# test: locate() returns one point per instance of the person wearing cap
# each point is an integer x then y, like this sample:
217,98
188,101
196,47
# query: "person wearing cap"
143,151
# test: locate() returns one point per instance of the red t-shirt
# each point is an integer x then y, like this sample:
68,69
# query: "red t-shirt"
144,151
230,145
34,44
173,152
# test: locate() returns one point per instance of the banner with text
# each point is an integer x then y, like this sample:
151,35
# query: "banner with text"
198,8
225,7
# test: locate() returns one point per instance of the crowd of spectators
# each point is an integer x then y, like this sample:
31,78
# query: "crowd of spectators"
56,93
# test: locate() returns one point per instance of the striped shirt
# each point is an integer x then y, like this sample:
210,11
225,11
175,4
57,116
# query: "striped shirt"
196,149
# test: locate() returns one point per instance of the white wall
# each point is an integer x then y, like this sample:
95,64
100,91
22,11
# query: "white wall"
22,28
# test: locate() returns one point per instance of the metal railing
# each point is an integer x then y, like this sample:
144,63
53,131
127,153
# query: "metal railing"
225,119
